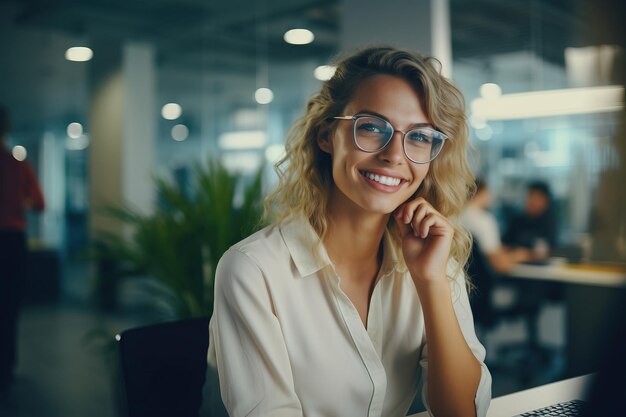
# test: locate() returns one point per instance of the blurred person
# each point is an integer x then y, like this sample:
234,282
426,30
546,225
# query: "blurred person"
19,191
535,228
484,228
357,293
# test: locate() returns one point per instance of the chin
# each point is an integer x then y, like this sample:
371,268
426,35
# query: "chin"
380,208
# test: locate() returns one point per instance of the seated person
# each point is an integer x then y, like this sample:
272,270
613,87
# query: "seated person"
356,294
483,226
535,228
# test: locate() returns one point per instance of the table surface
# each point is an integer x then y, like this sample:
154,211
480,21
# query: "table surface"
597,275
534,398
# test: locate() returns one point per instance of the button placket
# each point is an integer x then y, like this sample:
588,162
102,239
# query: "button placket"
365,346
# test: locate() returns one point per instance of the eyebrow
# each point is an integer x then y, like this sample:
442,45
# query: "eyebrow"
411,126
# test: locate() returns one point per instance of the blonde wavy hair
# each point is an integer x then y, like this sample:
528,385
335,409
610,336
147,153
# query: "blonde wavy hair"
305,175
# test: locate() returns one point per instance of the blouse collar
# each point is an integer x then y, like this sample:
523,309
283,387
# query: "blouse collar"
309,254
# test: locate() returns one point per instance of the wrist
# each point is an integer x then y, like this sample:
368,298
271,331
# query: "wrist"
432,288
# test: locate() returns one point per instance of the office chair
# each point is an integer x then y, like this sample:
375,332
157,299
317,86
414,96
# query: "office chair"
485,280
163,368
487,315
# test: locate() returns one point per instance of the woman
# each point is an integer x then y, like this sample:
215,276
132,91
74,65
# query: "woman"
333,310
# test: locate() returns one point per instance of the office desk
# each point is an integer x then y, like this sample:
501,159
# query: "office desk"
534,398
571,274
589,293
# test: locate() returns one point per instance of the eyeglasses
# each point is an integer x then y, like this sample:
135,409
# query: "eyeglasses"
372,134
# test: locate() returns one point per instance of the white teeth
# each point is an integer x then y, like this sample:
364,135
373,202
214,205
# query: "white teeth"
382,179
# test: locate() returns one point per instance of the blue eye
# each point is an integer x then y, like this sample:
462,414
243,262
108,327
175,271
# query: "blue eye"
370,127
420,136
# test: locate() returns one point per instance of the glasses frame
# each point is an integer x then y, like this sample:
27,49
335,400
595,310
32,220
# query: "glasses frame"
356,117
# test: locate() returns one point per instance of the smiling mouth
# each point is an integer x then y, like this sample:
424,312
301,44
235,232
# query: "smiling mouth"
382,179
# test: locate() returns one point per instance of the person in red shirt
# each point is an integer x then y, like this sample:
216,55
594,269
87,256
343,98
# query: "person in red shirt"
19,191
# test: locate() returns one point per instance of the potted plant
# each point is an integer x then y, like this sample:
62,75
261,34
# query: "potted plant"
178,245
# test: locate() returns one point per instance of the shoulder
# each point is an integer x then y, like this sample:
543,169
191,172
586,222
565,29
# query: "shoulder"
250,261
262,246
473,218
479,215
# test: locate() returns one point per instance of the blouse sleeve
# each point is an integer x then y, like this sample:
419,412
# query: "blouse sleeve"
460,302
246,344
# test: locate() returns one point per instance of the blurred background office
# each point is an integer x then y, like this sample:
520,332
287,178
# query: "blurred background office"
157,108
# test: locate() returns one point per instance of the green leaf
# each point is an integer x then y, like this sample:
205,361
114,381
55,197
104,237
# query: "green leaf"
179,244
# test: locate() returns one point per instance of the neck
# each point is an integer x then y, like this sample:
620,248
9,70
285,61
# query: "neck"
353,239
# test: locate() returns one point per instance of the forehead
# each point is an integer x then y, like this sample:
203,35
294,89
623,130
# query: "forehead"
391,96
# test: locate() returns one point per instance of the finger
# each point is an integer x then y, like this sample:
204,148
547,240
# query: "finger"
399,213
411,207
399,217
420,213
429,221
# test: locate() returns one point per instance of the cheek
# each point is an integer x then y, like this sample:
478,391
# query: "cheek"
344,157
419,175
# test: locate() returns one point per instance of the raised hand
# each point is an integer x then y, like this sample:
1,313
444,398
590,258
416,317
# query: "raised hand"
426,240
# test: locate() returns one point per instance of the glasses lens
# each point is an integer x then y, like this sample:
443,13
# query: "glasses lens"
423,145
372,133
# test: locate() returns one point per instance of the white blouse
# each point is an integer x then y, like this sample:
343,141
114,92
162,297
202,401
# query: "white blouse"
287,341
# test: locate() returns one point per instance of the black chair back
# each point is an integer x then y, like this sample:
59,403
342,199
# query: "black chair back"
164,368
483,278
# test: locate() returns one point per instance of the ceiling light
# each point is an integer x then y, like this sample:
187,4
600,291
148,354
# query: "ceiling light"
78,54
550,103
19,152
249,118
243,139
484,133
171,111
324,72
299,36
74,130
263,95
490,90
180,132
242,162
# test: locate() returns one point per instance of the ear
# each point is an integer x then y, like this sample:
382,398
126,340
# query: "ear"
324,140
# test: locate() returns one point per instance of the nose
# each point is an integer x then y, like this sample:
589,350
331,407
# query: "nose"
393,153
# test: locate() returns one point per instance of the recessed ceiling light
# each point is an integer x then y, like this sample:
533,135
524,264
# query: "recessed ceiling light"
490,90
484,133
299,36
78,54
171,111
74,130
263,95
19,152
324,72
180,132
